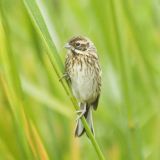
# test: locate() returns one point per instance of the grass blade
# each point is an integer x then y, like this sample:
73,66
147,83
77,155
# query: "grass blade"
35,13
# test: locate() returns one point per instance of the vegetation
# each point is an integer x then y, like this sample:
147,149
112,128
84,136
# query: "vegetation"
38,111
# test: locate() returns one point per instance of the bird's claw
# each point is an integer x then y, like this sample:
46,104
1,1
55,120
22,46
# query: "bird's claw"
78,111
82,112
65,75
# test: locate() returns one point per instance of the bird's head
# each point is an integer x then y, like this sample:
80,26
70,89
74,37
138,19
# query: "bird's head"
80,45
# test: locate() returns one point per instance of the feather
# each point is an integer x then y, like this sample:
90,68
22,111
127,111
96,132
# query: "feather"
80,128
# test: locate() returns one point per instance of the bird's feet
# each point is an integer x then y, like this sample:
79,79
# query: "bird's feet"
80,113
65,76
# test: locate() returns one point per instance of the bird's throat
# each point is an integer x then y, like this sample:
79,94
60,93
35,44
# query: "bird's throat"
73,51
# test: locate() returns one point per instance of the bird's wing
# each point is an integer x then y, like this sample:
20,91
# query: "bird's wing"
95,103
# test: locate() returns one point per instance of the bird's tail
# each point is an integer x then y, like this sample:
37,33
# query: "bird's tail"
80,128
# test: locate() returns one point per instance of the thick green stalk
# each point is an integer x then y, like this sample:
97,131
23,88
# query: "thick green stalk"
131,130
12,87
39,21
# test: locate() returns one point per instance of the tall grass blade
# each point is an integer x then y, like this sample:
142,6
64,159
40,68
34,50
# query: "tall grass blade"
35,13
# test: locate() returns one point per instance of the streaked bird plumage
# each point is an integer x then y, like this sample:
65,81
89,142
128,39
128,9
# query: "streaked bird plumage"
84,73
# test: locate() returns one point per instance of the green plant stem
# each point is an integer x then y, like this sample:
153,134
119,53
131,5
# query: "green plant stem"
36,16
12,87
131,130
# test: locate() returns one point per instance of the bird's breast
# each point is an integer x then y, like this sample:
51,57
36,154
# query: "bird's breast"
83,81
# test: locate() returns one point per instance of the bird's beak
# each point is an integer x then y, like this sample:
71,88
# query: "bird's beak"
67,46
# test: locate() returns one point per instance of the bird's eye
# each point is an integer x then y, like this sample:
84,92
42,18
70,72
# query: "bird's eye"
77,44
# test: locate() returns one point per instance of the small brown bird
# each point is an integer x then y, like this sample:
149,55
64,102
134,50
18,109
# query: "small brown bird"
83,70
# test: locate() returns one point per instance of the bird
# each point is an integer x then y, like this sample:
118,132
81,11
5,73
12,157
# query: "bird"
83,71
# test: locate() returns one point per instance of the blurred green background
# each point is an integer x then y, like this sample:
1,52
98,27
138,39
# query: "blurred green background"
37,118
